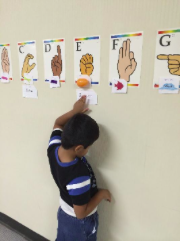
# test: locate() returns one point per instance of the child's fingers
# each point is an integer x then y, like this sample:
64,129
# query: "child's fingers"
83,98
85,110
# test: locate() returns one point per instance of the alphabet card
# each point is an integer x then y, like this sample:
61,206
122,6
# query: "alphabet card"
87,58
125,58
6,63
54,59
167,56
27,59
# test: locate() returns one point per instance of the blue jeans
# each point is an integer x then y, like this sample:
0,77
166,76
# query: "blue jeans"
73,229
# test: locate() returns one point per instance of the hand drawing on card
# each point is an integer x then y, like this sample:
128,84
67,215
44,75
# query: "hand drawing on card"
56,63
126,63
86,64
5,61
26,66
173,62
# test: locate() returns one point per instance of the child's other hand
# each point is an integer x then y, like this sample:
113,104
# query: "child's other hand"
79,106
106,194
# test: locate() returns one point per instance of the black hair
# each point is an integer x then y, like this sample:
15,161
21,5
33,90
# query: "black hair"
82,130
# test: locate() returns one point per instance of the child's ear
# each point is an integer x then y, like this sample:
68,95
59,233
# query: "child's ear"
79,149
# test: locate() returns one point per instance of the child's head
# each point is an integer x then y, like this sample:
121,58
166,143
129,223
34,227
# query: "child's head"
80,132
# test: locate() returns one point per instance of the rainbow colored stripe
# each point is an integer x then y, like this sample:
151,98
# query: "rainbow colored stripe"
169,31
1,45
126,35
62,81
87,38
53,40
92,82
135,85
132,85
33,42
9,78
33,79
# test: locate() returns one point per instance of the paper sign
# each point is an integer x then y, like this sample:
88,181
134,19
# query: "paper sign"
28,79
5,78
27,59
167,56
168,85
6,63
87,58
91,96
54,58
119,86
29,91
54,82
125,57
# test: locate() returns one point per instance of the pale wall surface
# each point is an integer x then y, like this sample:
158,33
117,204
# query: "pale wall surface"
137,155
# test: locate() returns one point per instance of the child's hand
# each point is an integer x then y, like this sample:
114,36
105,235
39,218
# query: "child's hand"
79,106
106,194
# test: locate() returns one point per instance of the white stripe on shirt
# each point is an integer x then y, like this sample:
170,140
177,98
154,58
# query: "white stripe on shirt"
54,141
78,185
57,129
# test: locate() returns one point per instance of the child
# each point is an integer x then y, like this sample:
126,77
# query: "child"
72,136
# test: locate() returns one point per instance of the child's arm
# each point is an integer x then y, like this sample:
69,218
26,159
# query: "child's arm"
84,210
79,107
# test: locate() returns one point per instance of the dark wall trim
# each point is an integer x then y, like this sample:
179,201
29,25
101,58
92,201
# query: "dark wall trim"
20,229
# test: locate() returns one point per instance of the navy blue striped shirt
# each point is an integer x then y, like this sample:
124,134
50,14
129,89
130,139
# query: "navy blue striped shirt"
75,180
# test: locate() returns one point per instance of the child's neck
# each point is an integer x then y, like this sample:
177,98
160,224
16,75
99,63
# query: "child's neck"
66,155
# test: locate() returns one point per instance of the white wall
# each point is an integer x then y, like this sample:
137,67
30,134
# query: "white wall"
137,155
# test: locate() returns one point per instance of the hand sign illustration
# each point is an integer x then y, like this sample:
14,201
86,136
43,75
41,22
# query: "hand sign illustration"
26,66
5,61
173,62
126,62
56,63
86,66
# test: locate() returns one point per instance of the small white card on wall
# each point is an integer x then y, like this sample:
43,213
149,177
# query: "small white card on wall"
119,86
169,85
91,96
29,91
54,82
